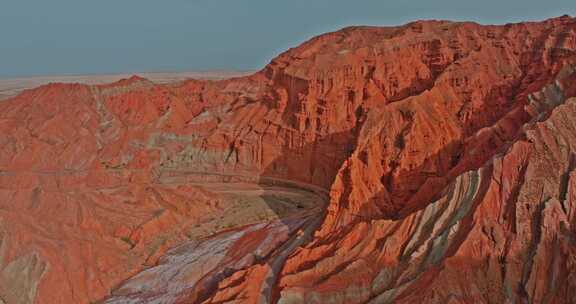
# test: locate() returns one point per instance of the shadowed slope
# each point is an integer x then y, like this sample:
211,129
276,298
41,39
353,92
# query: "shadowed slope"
400,127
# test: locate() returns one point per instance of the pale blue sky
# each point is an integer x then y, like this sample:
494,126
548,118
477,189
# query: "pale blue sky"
40,37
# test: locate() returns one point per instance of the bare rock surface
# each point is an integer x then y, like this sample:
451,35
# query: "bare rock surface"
430,162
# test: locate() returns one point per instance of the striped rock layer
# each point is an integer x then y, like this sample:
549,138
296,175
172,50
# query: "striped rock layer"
436,157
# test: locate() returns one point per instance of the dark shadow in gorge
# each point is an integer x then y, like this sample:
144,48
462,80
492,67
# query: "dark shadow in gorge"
311,167
322,160
308,168
452,160
318,162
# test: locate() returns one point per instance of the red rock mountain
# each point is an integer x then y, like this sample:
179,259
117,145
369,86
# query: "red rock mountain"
426,163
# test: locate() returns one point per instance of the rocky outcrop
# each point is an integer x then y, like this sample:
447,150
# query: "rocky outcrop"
435,158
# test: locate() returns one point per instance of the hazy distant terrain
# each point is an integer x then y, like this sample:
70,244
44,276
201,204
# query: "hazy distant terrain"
12,86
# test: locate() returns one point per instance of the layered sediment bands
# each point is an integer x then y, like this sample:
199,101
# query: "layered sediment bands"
407,252
493,238
430,162
520,248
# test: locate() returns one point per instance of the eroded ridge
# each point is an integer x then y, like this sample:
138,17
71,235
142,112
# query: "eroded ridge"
396,164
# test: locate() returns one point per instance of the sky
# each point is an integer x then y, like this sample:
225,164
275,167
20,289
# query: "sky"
68,37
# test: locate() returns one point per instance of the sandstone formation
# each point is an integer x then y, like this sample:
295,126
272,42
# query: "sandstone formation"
430,162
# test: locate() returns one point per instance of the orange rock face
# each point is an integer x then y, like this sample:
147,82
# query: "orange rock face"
430,163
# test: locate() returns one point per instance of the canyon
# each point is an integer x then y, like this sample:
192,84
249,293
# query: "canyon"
426,163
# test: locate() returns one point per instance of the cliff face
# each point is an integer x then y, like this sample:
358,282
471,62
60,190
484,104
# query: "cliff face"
430,162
